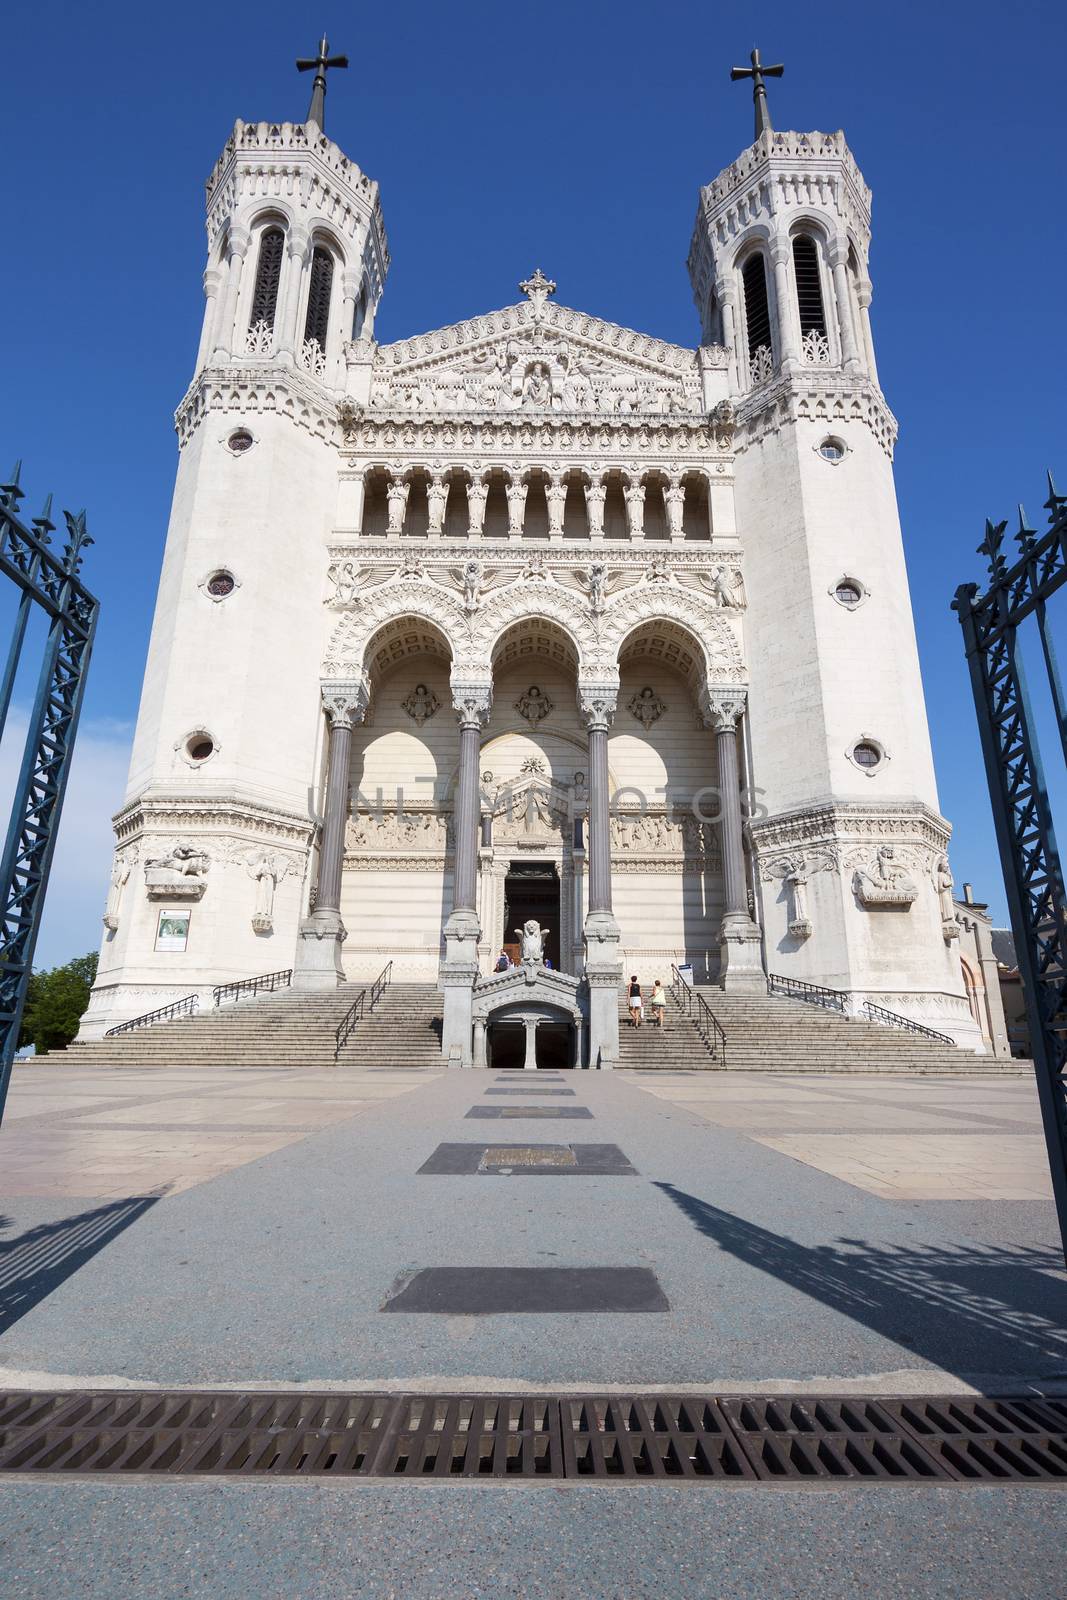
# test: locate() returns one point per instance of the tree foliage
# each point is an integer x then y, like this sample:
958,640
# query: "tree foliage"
55,1002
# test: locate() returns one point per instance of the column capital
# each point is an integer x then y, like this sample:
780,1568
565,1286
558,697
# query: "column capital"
722,706
596,703
347,702
837,251
472,702
780,249
238,242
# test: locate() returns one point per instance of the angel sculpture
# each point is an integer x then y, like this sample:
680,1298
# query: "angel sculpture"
721,583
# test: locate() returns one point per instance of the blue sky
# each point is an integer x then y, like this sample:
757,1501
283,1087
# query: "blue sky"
574,136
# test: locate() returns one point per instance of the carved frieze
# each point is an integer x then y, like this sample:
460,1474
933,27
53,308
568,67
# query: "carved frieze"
885,883
180,873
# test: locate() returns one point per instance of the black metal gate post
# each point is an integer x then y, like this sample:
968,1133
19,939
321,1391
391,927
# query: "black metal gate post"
51,582
1026,838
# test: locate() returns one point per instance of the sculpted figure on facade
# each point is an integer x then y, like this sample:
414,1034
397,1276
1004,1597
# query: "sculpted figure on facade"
534,705
180,874
421,704
120,874
887,884
943,883
532,937
647,706
264,872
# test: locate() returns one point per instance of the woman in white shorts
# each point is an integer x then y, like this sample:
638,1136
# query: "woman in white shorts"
637,1005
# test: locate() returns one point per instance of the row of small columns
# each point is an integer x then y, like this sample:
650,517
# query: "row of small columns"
517,487
346,704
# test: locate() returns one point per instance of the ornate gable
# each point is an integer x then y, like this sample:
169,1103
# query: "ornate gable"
537,356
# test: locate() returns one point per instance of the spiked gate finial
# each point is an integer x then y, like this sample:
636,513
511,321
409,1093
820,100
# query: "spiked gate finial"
990,548
43,525
77,539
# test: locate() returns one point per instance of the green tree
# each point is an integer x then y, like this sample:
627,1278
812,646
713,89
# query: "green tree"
55,1002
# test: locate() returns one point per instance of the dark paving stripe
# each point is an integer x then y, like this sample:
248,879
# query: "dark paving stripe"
533,1088
483,1291
526,1160
529,1111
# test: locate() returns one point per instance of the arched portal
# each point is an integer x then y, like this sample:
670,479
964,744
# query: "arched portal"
665,851
397,882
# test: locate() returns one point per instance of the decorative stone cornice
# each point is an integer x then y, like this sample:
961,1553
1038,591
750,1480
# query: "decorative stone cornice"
827,397
249,390
566,439
842,821
182,813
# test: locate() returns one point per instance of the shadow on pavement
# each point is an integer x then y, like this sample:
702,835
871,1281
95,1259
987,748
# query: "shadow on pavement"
38,1261
968,1308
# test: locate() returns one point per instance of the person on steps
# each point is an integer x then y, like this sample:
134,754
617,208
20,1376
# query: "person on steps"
637,1005
659,1003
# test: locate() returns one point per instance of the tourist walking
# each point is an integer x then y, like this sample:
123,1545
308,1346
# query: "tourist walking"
659,1003
637,1004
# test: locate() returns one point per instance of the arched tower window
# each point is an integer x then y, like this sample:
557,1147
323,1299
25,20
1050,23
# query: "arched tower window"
265,294
757,318
317,321
809,299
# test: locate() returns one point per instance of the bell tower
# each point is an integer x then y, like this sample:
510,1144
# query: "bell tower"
839,747
218,807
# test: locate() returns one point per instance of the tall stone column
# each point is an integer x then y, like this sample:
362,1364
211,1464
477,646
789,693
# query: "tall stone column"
287,335
459,969
788,321
227,301
212,285
318,950
741,953
850,355
603,968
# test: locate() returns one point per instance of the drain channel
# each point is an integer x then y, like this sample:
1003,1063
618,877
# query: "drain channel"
740,1440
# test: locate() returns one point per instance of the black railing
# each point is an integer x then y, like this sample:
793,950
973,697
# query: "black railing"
177,1008
266,983
700,1014
893,1019
365,1001
815,994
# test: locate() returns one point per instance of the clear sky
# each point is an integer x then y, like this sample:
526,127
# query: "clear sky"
571,136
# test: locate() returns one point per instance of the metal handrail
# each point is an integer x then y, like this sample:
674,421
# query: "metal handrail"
816,994
893,1019
266,983
700,1014
842,1000
177,1008
360,1004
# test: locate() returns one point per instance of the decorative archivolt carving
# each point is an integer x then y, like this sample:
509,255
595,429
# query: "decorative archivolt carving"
597,634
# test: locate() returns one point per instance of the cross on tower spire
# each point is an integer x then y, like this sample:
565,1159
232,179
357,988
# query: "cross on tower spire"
319,65
758,72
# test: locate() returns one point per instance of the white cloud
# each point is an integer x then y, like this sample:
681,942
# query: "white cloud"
77,888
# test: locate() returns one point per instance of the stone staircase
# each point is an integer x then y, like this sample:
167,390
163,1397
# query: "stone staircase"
771,1033
290,1028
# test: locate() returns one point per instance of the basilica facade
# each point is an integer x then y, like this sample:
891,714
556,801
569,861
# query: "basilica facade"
533,618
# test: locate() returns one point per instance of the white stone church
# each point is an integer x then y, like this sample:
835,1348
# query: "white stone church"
533,618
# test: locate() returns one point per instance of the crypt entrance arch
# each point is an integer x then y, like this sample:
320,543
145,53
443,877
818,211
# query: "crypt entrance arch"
533,795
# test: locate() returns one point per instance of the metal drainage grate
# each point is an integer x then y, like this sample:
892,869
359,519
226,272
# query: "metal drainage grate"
539,1438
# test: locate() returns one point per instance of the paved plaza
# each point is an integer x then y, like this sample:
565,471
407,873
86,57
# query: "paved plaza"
251,1227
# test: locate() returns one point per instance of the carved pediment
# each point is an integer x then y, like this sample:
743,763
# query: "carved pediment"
531,811
537,357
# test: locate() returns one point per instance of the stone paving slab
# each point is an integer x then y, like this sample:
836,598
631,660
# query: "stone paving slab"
269,1267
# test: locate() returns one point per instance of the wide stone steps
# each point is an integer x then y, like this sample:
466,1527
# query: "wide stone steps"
283,1029
771,1033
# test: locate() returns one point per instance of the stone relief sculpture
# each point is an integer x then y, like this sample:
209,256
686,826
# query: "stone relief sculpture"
888,883
647,707
533,705
120,873
796,883
533,938
421,704
943,883
264,871
179,875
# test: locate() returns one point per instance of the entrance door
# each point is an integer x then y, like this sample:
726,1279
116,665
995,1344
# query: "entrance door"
532,890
